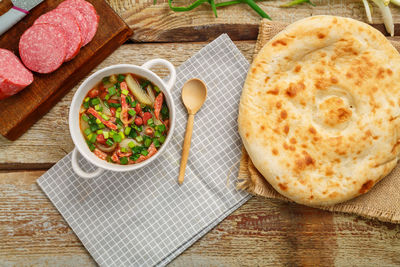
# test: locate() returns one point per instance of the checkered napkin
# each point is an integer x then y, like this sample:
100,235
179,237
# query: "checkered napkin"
143,217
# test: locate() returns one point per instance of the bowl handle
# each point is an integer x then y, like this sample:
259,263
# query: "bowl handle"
79,171
159,61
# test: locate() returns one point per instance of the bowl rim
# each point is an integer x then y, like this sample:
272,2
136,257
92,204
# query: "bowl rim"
74,121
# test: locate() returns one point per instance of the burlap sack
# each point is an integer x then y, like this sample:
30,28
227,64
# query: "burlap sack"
382,202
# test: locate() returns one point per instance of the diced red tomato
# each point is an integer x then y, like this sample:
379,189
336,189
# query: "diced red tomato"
149,131
106,123
113,110
138,121
102,88
93,93
158,104
100,154
100,139
138,108
146,116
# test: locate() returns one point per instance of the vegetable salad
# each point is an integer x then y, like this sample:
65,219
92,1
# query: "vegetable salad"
124,119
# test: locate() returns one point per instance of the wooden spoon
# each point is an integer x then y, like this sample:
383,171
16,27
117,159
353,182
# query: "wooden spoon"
194,93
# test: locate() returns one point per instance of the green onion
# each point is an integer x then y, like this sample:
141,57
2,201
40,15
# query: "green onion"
128,99
162,139
112,91
109,142
156,89
94,127
123,149
156,142
95,101
85,118
117,114
107,97
125,92
86,105
127,130
122,135
139,138
157,134
144,152
91,146
98,121
119,122
106,80
112,133
87,99
93,138
123,160
119,109
132,112
144,84
104,116
106,135
161,128
133,134
134,103
150,121
114,105
131,144
87,131
117,138
101,126
120,77
147,142
134,157
97,107
99,132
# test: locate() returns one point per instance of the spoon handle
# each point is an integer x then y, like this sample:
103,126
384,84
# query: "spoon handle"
186,148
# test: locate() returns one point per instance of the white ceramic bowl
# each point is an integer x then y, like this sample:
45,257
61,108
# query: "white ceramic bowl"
92,80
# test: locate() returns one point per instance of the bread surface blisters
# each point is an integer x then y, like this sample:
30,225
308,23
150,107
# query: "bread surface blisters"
319,110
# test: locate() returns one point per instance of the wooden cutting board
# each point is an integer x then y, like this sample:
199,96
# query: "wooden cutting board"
19,112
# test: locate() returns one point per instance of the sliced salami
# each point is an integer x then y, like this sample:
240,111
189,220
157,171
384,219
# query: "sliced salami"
42,48
80,19
69,25
13,75
90,14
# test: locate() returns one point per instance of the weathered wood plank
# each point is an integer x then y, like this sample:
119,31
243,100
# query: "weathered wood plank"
262,232
157,23
49,140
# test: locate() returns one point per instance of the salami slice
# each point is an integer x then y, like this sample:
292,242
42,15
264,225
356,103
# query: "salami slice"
80,19
71,30
90,14
13,75
42,48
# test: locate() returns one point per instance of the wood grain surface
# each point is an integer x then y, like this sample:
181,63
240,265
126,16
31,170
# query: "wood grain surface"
157,23
20,111
262,232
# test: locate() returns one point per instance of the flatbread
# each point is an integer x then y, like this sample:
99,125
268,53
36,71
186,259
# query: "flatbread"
319,113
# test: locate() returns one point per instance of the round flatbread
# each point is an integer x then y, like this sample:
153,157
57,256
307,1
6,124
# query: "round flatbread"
319,113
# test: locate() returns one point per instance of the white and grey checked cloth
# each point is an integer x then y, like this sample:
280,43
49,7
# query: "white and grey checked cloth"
143,217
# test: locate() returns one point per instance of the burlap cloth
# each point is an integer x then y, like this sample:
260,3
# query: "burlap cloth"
382,202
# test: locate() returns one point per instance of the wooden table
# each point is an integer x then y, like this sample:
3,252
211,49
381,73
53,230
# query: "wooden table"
261,232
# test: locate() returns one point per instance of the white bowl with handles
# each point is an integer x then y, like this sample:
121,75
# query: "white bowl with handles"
74,124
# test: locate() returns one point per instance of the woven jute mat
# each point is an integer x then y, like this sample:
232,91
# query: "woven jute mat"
382,202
